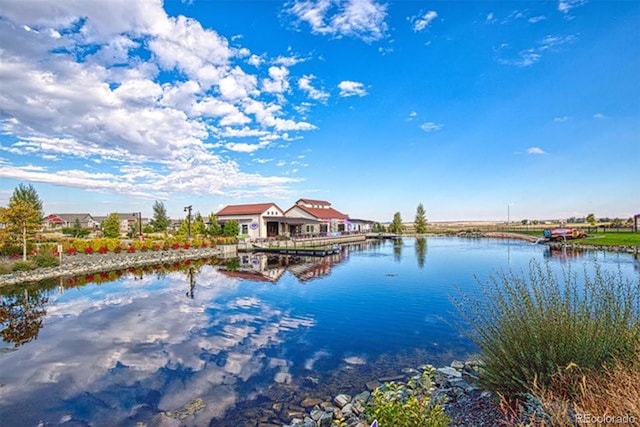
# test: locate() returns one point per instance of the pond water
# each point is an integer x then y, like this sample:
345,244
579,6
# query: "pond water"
219,343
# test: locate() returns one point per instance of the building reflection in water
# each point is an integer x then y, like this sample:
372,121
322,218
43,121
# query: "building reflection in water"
263,267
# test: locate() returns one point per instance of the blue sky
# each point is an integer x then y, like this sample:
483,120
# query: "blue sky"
467,107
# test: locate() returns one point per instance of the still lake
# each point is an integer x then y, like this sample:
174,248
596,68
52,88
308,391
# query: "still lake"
240,335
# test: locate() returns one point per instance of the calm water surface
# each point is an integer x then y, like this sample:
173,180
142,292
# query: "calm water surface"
275,329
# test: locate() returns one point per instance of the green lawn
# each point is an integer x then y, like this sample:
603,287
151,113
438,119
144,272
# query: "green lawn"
610,239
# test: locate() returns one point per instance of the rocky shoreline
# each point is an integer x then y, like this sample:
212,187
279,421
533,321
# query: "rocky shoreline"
79,264
453,387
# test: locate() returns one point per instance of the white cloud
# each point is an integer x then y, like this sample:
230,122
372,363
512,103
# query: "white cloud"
422,22
351,88
535,150
431,126
364,19
113,107
304,84
490,17
535,19
242,147
528,57
255,60
560,119
565,6
288,61
599,116
277,81
412,115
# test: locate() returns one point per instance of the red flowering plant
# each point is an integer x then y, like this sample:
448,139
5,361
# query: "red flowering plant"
88,250
187,245
103,249
71,251
131,249
175,245
117,249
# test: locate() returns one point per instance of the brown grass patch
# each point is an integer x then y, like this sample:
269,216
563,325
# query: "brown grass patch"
574,395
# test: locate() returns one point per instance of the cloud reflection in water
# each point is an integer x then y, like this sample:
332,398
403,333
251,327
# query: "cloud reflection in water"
124,351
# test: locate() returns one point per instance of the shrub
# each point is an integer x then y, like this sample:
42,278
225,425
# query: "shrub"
46,259
531,327
406,405
23,266
117,249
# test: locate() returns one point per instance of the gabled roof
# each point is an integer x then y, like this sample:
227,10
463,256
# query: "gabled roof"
322,213
314,202
71,217
250,209
121,217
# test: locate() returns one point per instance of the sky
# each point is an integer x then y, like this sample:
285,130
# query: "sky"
478,110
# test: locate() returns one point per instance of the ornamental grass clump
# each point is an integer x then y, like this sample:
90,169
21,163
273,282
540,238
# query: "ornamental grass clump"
531,327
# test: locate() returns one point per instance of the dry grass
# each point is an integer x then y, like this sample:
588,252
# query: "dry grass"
574,395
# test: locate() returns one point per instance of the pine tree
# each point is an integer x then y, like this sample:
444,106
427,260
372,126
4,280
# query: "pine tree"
160,220
421,220
396,226
197,226
214,228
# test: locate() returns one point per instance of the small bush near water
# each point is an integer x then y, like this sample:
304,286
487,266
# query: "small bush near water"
407,405
531,329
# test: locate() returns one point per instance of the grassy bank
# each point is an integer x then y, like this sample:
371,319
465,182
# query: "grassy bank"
552,338
609,238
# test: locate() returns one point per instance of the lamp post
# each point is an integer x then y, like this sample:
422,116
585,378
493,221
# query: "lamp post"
188,209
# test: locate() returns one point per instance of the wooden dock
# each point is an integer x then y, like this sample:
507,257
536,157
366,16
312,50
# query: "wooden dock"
319,252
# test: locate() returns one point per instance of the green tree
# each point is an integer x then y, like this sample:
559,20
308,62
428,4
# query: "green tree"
591,219
214,228
396,226
421,220
197,226
231,228
160,220
76,230
616,223
29,194
111,226
21,219
23,216
183,230
379,228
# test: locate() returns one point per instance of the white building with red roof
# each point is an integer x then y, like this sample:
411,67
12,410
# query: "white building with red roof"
256,220
325,218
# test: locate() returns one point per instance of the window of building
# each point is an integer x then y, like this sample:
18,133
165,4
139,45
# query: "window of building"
245,229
